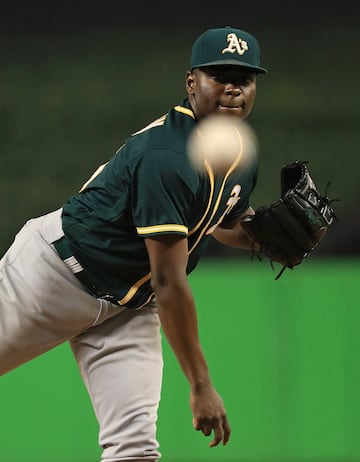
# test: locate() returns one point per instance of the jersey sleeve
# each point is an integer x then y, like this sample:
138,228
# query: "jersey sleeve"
163,193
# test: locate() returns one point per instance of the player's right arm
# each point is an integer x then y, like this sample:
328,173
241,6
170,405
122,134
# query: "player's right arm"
177,312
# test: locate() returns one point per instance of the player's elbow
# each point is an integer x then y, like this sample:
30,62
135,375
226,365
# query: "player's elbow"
168,287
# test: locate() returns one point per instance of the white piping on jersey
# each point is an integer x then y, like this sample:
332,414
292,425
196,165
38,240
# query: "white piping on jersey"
73,264
161,120
93,176
156,123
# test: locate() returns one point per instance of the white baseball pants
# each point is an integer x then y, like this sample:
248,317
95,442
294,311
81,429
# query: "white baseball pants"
118,350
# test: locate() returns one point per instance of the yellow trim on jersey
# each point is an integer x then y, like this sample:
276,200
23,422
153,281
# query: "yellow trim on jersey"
185,110
217,202
211,179
144,230
173,227
133,289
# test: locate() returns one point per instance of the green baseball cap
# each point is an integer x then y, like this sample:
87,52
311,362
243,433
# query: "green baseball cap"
225,46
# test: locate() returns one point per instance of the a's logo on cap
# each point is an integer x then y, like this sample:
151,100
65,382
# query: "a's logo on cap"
235,44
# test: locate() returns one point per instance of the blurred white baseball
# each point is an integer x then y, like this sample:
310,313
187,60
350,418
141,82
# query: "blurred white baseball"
223,142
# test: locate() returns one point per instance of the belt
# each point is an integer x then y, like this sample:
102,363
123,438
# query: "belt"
62,248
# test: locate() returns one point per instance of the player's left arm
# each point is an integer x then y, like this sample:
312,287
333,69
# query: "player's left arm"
234,235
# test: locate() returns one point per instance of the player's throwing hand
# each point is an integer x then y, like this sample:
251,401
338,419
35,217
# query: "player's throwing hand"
210,415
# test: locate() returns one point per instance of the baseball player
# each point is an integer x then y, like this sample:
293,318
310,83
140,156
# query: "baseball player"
110,265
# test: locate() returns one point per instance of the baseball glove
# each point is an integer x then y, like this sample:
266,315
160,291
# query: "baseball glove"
289,229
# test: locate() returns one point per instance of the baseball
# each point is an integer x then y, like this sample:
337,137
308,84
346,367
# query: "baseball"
223,143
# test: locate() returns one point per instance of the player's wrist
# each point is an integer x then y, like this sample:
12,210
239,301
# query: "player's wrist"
201,385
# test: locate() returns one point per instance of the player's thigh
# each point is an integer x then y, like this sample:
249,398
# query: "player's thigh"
121,364
41,302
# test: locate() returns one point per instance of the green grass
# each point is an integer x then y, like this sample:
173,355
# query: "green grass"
283,354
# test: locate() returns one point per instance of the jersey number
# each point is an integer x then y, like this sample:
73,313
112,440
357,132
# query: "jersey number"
232,201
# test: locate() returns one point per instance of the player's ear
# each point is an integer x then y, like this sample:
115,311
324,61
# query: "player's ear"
190,82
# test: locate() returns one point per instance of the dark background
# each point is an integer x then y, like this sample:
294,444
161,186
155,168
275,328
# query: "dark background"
76,79
167,14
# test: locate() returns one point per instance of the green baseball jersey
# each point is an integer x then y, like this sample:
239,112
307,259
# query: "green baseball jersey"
149,188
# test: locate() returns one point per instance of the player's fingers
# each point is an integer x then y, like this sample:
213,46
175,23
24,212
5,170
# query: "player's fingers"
203,425
227,430
207,428
197,424
218,434
221,429
222,432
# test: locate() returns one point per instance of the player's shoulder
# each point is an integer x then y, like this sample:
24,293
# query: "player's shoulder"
170,130
162,142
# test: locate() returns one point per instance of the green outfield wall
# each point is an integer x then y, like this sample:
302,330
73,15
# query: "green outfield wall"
283,354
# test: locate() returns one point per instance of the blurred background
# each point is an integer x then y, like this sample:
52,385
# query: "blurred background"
75,80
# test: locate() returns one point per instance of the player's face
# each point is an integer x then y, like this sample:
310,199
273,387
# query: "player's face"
222,90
